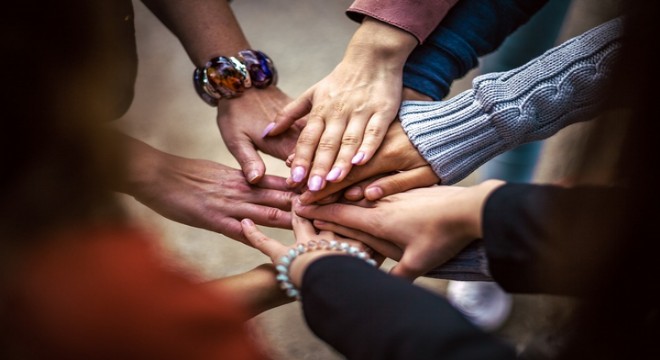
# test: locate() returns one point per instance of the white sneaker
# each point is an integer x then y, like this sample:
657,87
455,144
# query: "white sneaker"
482,302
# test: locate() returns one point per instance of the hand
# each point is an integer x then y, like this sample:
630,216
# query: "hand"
397,155
429,226
304,232
351,108
241,121
203,193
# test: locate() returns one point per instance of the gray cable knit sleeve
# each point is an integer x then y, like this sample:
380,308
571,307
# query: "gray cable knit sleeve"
502,110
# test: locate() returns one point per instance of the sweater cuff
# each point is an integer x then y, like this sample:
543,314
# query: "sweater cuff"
455,137
418,18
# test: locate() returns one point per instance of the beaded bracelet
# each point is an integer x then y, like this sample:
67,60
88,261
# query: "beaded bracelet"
286,260
227,77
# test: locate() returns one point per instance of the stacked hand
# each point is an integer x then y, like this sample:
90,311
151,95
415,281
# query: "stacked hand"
421,228
350,109
203,193
304,232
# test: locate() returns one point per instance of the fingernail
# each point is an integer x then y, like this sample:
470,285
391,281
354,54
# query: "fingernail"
353,192
373,193
252,176
247,222
298,174
267,130
315,183
357,158
333,174
319,222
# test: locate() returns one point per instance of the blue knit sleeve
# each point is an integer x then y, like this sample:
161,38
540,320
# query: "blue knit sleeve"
506,109
472,28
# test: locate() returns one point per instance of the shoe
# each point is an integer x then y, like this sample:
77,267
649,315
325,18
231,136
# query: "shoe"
484,303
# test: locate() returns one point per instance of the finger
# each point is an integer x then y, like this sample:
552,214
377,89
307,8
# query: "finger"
383,247
293,111
415,262
325,155
355,193
350,141
260,241
306,147
327,235
373,136
303,229
272,198
356,175
353,216
247,156
273,182
289,159
263,215
400,182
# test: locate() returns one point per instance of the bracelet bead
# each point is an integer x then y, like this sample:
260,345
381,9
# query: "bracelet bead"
285,261
260,67
225,78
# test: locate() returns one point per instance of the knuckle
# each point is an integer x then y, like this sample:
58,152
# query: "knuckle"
350,140
273,214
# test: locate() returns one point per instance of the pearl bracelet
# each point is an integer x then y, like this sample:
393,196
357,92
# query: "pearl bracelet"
228,77
286,260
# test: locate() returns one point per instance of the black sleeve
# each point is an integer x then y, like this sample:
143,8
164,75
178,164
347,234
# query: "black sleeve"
365,313
549,239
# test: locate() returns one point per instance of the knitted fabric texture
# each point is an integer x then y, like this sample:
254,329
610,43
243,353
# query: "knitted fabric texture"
503,110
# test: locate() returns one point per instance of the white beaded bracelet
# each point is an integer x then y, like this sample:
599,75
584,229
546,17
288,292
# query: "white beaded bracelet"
286,260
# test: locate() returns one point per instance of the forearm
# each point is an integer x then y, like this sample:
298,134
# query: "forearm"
255,291
376,42
504,110
205,28
472,29
561,243
357,308
417,18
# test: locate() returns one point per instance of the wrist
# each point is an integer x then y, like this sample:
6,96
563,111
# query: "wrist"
290,270
227,77
480,194
142,166
377,41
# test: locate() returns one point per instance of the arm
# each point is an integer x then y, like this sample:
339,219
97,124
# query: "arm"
559,245
472,28
206,29
408,318
338,297
255,290
202,193
353,106
419,18
504,110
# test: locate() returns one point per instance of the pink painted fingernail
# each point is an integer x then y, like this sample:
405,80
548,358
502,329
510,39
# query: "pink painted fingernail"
334,174
267,129
357,158
315,183
298,174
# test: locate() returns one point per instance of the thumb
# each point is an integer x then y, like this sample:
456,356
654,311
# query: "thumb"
247,156
410,266
295,110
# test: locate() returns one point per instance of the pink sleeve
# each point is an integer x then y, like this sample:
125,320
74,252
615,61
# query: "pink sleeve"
418,17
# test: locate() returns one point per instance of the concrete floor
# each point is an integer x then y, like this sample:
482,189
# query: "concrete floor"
306,39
